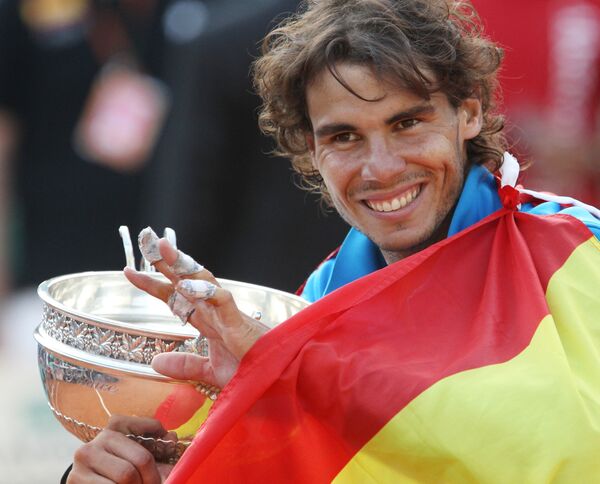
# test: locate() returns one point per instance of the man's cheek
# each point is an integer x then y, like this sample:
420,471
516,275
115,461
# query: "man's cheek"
430,148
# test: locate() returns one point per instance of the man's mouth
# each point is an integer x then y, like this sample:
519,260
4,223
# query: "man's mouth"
395,203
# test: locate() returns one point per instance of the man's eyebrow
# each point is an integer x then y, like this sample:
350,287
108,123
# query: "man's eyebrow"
421,109
329,129
418,110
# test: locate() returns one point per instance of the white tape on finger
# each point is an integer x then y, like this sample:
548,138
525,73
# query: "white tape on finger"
148,243
197,288
185,265
180,306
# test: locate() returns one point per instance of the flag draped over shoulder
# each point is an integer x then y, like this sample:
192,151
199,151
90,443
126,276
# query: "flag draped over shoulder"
475,360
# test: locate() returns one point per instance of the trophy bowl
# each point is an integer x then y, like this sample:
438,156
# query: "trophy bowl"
96,340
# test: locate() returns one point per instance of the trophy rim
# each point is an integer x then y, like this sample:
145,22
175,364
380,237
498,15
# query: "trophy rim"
175,332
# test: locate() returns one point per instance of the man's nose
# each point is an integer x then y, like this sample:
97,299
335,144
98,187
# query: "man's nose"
383,162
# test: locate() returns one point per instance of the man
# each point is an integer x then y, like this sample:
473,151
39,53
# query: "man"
424,364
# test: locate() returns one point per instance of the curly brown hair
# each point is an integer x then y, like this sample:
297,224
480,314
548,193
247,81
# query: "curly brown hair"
401,40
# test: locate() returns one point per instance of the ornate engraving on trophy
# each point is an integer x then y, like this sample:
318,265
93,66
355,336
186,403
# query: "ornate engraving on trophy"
104,342
57,370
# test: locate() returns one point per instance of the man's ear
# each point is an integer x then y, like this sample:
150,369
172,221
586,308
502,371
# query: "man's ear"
471,117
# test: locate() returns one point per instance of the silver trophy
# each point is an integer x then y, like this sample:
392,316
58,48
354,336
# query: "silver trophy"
97,338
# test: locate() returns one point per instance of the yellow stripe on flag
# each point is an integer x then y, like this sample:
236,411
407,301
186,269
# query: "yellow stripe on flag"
533,419
189,428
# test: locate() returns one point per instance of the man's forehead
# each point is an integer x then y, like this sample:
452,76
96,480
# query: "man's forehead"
358,80
362,81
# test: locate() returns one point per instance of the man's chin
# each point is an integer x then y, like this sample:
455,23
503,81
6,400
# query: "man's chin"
403,247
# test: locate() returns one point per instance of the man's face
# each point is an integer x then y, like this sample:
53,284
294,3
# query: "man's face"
395,167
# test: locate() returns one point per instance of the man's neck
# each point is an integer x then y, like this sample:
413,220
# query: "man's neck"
440,234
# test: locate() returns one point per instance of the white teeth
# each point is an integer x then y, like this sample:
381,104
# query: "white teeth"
396,203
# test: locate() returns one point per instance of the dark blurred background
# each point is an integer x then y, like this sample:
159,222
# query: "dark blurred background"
141,112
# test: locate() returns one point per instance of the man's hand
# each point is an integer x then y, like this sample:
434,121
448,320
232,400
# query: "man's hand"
113,457
229,332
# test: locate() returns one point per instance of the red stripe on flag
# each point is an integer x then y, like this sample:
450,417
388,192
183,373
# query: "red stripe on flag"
313,391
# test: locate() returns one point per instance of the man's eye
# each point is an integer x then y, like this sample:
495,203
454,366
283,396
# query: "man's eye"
345,137
407,123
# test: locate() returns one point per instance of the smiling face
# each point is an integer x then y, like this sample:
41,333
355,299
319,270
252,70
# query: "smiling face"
394,167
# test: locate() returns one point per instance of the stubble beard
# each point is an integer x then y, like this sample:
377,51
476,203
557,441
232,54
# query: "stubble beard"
438,230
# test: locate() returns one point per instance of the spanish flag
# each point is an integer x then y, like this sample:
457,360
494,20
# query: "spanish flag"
476,360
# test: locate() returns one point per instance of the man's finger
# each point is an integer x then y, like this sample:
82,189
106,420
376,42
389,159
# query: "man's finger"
148,243
198,290
184,366
116,469
135,425
181,264
180,306
86,476
115,457
137,460
216,309
172,263
151,285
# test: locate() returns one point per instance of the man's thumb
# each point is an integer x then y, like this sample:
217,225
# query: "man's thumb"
184,366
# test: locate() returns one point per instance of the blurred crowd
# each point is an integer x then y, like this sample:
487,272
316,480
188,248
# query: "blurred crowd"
141,112
551,89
